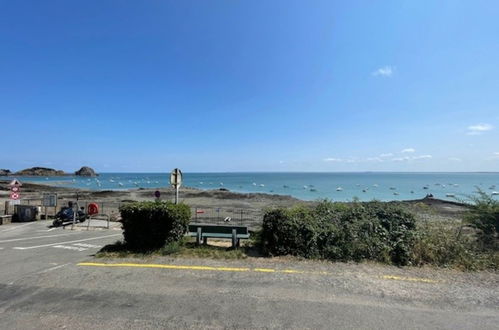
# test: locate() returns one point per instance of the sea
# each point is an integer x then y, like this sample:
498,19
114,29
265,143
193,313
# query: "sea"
335,186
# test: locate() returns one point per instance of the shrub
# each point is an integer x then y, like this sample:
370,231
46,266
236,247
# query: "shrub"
336,231
483,215
150,225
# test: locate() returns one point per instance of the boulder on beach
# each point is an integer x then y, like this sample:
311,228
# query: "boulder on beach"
86,171
4,172
40,171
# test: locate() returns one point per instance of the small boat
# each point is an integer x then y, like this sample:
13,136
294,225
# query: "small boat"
396,193
120,184
254,183
375,185
313,190
495,193
305,187
393,188
285,186
339,189
364,190
426,187
412,191
111,180
450,195
262,185
221,183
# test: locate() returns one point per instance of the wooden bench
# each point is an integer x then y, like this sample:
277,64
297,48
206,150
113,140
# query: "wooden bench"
5,219
203,231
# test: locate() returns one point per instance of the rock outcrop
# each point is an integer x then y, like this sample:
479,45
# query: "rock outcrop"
40,171
86,171
4,172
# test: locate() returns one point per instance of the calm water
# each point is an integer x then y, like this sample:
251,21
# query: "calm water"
307,186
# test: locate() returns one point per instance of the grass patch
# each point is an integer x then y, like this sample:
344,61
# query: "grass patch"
184,248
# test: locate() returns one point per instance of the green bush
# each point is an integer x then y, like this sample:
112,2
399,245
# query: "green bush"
337,231
150,225
483,215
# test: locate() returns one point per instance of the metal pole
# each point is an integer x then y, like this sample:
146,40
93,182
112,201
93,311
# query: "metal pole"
176,194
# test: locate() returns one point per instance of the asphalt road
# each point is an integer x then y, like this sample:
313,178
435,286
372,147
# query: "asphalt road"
49,279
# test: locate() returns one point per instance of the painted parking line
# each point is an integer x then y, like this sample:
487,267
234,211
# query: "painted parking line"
409,279
69,247
62,243
16,227
34,237
206,268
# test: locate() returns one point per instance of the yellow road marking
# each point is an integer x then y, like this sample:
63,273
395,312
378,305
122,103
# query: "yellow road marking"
209,268
411,279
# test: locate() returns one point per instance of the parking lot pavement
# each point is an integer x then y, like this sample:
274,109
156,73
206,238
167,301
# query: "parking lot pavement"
49,279
27,248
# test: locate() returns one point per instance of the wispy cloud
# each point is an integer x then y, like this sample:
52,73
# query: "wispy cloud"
408,150
385,71
333,160
479,129
422,157
455,159
389,154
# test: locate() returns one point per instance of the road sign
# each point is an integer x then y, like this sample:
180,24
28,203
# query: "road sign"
15,189
157,194
176,178
15,183
49,200
176,181
14,196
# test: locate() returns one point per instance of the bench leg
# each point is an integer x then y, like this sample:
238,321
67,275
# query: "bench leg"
238,244
198,237
234,238
205,240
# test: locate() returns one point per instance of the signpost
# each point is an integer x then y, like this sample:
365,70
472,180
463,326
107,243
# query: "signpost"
15,192
176,181
49,200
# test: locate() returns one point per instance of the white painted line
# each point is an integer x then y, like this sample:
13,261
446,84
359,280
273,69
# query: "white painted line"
52,268
16,227
68,242
67,247
85,245
34,237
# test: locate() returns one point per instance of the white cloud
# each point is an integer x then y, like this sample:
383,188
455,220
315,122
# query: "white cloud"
408,150
455,159
496,153
331,159
479,129
374,159
422,157
385,71
389,154
401,159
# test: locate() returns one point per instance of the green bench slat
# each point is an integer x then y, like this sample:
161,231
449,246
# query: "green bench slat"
218,235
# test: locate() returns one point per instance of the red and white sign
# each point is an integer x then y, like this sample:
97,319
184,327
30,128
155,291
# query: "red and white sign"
15,189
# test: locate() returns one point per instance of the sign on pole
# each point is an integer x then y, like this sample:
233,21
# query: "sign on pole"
49,200
15,192
176,181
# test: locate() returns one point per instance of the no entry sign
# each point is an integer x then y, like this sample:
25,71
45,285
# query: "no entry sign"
14,196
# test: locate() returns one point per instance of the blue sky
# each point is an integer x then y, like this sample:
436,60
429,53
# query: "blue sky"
250,85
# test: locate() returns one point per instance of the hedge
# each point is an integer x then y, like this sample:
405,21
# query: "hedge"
360,231
149,225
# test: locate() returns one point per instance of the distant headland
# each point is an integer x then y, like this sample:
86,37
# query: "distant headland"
49,172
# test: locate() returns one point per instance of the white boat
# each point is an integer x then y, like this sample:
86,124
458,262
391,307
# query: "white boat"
392,188
262,185
120,184
450,195
339,189
495,193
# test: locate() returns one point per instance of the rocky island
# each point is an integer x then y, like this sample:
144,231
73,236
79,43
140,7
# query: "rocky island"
86,171
40,171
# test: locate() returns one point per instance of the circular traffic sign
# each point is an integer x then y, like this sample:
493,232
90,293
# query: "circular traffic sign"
14,196
157,194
